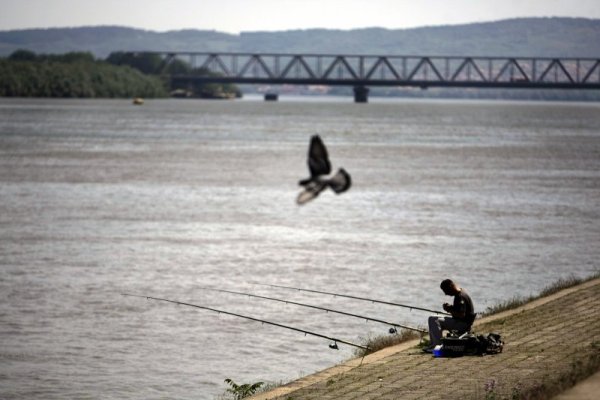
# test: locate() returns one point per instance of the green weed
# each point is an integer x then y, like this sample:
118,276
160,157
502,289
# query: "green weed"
241,391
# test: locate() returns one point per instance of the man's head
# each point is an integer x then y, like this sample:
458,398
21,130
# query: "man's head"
449,287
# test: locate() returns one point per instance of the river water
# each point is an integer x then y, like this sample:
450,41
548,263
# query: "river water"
100,197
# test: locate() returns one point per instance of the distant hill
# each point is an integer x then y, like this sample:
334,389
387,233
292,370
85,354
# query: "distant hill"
532,37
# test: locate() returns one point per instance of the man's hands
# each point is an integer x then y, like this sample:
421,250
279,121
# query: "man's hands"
447,307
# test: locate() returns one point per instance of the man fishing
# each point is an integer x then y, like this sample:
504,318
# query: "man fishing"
461,310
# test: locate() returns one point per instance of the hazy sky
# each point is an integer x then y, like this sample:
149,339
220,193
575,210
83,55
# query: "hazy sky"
251,15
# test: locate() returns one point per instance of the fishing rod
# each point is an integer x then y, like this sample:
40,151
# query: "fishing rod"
331,346
356,298
393,324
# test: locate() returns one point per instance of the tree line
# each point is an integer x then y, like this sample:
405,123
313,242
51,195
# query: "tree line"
80,75
154,64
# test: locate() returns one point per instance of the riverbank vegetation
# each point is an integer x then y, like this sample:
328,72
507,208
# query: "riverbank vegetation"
80,75
379,342
155,65
563,283
26,74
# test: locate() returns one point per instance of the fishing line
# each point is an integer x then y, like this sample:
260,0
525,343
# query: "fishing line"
331,346
356,298
392,324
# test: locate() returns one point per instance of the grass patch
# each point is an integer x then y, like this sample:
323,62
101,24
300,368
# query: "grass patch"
563,283
268,386
380,342
237,392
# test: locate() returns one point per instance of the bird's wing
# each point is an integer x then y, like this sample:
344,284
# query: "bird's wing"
340,182
312,190
318,159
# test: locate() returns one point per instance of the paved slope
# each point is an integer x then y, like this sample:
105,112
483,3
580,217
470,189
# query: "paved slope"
548,343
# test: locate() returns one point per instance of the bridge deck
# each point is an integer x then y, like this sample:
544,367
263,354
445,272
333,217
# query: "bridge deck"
372,70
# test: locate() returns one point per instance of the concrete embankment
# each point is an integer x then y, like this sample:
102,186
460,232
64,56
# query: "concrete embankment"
550,344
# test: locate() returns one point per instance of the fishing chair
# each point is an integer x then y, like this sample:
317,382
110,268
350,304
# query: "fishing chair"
460,332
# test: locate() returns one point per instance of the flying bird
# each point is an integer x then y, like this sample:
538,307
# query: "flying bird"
320,167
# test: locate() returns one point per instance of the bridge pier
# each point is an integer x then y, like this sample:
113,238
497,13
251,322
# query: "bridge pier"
361,94
270,96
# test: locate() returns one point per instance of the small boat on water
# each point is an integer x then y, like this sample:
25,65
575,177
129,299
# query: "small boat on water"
138,101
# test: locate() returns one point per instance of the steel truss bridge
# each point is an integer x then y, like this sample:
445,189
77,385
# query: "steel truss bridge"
363,71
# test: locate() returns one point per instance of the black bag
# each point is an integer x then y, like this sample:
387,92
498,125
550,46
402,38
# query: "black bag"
469,344
493,344
457,346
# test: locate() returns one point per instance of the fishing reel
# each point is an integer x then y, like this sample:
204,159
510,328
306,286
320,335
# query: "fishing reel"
392,330
334,346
